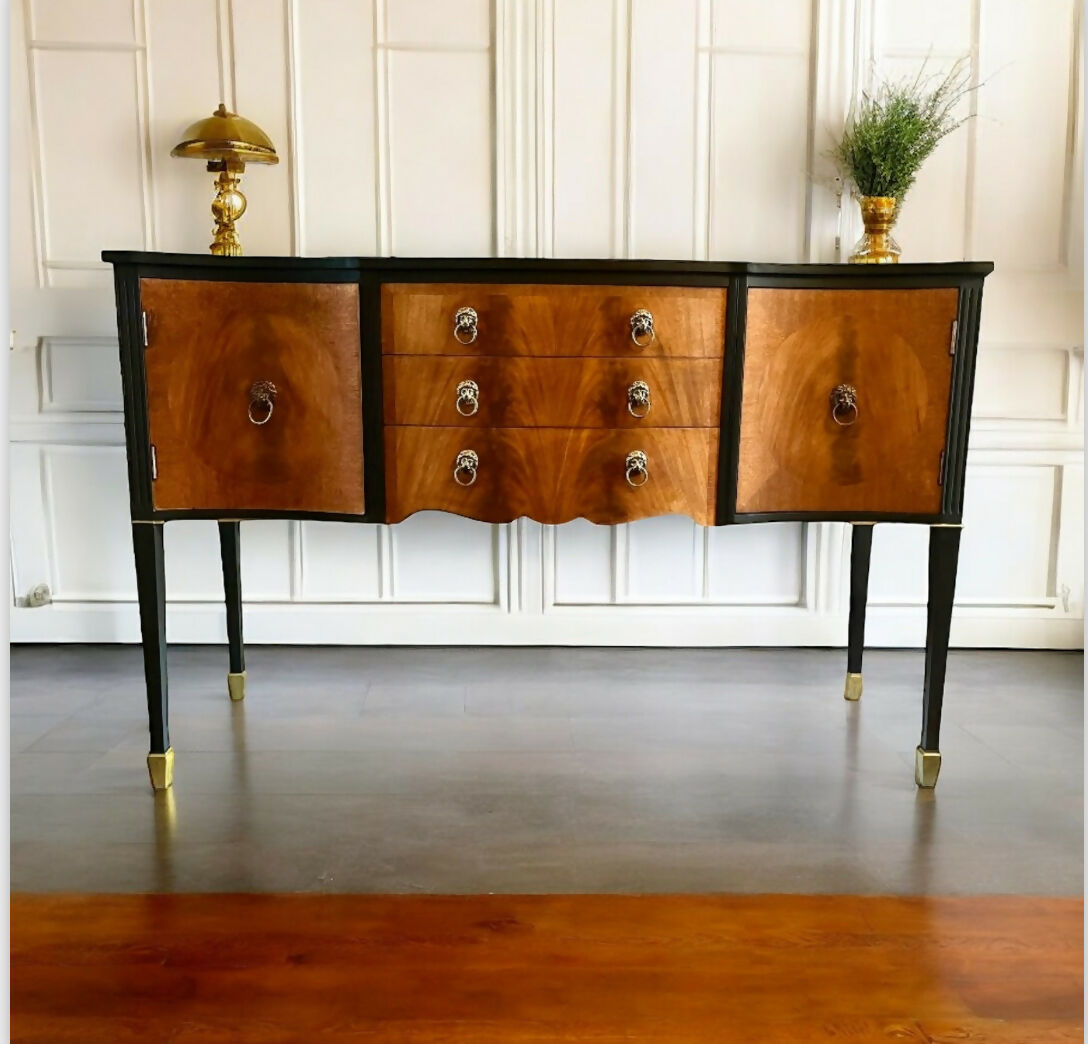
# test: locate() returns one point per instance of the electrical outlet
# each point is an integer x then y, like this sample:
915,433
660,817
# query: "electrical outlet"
39,596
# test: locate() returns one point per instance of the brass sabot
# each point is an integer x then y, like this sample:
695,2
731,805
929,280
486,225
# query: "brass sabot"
226,136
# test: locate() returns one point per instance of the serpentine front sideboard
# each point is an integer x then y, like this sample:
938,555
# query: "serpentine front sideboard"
366,389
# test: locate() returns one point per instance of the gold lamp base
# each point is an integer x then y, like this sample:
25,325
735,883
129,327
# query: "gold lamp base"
853,686
927,766
236,686
227,207
161,769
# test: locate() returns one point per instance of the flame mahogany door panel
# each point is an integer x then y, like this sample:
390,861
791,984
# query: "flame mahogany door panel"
528,319
209,342
552,475
893,347
552,393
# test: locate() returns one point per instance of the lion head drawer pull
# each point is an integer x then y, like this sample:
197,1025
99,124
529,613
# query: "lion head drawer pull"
642,328
844,404
638,469
262,396
464,468
464,325
638,399
468,398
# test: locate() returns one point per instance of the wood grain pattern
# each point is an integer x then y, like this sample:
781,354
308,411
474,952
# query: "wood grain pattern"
893,347
209,342
552,475
528,319
258,969
552,393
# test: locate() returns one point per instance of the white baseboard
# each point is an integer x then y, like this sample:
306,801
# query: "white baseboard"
323,624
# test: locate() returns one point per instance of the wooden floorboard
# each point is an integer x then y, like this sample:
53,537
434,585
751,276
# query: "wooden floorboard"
190,968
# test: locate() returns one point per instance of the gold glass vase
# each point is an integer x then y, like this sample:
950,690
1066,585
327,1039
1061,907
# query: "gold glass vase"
876,246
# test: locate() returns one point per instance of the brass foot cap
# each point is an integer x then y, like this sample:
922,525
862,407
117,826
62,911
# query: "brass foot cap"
161,769
853,686
927,766
236,686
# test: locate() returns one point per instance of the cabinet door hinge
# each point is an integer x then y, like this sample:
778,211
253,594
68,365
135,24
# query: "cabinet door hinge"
143,326
951,344
940,469
154,463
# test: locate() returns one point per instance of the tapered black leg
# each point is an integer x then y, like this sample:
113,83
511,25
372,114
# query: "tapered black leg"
861,545
151,590
230,550
944,549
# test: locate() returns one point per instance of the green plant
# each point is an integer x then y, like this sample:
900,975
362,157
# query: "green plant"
896,126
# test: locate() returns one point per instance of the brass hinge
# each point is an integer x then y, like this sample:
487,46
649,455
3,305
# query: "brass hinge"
955,337
940,470
154,463
143,326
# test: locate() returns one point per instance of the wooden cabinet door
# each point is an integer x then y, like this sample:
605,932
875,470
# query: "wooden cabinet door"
217,445
894,349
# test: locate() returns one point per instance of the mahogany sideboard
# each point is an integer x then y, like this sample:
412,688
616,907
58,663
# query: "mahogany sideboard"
366,389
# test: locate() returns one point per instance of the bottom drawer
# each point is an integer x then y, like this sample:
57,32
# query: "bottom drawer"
552,475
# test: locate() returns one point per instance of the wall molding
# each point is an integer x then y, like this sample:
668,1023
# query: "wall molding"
514,595
386,624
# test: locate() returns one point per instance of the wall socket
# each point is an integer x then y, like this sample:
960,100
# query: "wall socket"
39,596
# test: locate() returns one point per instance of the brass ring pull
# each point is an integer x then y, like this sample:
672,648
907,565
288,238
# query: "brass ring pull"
468,398
637,465
262,397
642,328
464,325
466,464
638,399
844,405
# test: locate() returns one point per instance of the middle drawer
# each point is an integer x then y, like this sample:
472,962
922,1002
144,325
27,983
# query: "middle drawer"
552,393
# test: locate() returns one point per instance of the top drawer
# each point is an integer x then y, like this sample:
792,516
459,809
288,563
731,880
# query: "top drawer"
543,320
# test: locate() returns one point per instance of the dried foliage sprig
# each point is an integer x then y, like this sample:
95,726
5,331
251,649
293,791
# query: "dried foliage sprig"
895,128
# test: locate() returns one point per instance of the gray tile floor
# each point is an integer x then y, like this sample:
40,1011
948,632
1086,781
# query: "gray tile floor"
546,770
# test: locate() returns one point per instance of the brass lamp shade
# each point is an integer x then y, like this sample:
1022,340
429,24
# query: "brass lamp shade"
227,141
226,136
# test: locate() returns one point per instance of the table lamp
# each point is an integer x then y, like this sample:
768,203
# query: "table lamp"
227,141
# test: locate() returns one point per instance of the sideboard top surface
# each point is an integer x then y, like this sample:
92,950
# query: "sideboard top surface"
544,267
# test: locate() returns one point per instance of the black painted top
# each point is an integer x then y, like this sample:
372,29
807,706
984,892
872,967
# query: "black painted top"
519,265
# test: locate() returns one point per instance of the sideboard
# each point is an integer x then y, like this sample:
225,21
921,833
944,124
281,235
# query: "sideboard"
367,389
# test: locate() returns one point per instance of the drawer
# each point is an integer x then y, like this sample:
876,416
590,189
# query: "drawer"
523,319
218,444
571,393
884,453
552,475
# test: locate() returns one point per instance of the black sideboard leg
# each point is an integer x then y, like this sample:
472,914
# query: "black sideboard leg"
944,549
151,590
231,553
861,545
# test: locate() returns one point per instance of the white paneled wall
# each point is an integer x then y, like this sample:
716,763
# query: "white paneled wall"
589,128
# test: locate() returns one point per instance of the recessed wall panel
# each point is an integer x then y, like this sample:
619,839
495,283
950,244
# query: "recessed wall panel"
443,558
440,163
87,108
759,152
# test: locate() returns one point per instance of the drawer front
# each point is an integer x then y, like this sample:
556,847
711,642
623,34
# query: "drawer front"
536,320
218,445
552,475
557,393
804,352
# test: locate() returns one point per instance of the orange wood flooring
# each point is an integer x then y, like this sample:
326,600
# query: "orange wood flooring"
499,969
